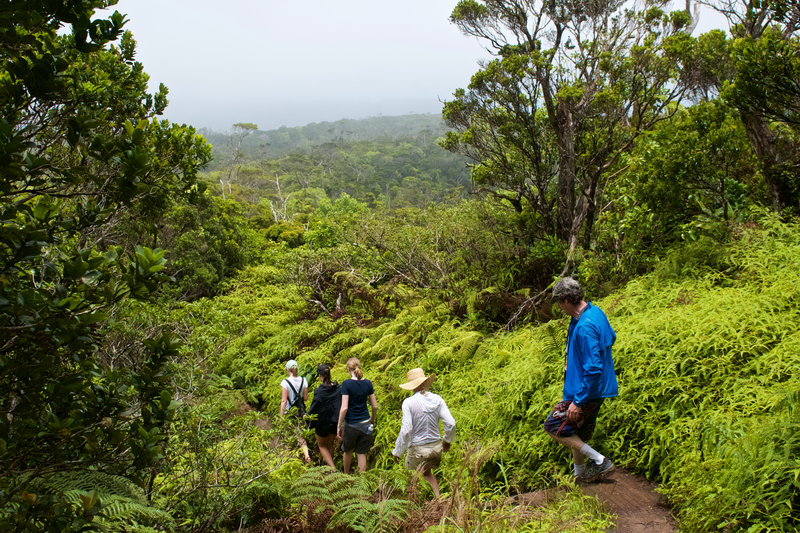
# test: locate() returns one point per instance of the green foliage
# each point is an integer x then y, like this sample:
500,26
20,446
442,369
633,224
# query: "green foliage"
574,511
766,70
407,171
274,144
223,462
208,243
568,92
695,170
84,500
350,499
568,510
344,246
707,363
707,403
81,148
754,71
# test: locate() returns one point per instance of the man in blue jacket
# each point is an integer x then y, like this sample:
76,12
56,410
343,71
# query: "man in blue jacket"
588,379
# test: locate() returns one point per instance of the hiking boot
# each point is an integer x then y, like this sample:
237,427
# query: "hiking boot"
593,471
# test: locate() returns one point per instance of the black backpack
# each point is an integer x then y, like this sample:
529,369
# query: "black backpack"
298,401
326,404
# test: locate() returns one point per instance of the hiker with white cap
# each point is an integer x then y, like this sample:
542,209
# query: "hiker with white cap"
419,436
294,395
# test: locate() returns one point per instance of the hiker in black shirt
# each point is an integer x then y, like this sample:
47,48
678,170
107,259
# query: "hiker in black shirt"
326,404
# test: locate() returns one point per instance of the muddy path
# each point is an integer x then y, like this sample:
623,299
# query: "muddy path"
633,500
639,508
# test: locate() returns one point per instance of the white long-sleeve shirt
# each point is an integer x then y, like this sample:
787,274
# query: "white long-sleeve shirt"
420,425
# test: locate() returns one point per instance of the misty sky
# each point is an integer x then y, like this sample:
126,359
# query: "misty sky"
292,62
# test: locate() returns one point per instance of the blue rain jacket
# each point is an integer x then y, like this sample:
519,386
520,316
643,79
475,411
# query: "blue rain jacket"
590,368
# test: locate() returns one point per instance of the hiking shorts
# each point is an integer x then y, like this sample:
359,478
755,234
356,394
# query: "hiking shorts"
425,456
557,424
324,430
355,437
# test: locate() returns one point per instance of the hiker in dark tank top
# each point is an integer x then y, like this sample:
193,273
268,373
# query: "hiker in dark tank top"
355,422
326,405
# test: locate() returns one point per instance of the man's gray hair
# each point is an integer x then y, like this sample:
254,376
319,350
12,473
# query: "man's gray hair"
567,289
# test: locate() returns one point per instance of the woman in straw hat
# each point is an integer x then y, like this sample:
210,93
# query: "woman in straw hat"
419,431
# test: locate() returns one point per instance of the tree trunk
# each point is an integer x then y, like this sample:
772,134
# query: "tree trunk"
764,145
591,212
566,172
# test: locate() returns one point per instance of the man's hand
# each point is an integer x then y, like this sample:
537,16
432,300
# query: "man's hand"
574,413
396,458
445,446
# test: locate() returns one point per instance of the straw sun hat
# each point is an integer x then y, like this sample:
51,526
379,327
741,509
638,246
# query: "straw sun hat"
417,377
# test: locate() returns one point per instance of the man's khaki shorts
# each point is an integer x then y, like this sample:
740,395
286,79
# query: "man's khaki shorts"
425,456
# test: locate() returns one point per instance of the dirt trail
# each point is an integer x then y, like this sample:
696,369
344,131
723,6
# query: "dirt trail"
636,503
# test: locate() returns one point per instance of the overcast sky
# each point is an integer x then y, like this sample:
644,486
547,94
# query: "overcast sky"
292,62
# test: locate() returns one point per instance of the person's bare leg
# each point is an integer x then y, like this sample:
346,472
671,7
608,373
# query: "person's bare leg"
304,446
577,457
325,445
430,478
574,443
362,461
347,458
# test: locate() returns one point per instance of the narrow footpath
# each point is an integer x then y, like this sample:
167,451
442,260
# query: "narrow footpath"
636,503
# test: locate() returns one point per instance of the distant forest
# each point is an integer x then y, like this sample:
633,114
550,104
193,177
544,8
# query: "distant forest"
394,160
270,144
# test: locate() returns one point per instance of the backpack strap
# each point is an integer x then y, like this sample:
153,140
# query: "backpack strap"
296,393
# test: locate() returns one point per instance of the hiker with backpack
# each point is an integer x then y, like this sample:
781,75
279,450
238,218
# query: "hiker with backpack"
294,395
355,425
326,404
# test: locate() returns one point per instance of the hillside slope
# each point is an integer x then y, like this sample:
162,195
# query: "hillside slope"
707,356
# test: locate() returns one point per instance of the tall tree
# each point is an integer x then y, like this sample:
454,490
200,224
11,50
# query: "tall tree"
572,85
239,132
80,143
761,81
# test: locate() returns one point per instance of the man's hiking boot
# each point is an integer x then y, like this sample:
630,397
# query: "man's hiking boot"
593,471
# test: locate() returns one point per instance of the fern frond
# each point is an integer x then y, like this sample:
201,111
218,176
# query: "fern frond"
118,505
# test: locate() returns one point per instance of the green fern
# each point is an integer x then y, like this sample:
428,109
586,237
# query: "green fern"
362,503
114,503
89,480
323,488
378,517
